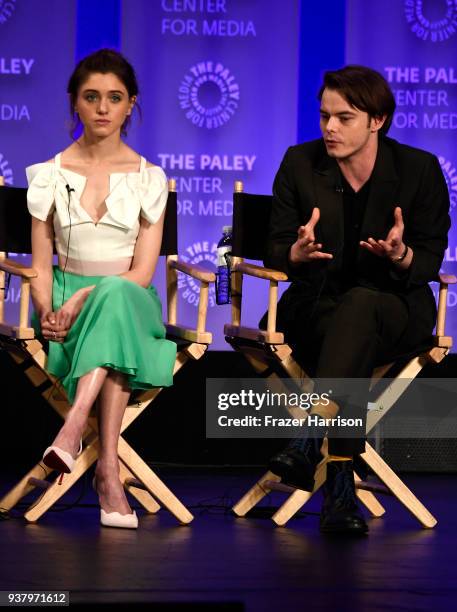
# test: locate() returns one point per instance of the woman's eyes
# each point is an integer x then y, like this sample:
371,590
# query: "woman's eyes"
93,97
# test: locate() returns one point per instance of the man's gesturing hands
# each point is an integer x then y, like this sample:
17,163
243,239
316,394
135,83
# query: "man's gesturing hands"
393,246
304,248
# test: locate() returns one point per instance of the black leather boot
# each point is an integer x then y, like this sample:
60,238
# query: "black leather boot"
340,512
297,463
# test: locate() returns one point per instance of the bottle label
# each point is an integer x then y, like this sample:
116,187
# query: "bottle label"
223,285
221,251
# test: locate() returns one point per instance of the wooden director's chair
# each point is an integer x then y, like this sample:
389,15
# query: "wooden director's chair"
27,352
272,358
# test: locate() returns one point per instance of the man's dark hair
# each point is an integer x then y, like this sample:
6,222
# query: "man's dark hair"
364,89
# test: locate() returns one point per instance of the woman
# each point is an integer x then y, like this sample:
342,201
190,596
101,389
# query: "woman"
103,205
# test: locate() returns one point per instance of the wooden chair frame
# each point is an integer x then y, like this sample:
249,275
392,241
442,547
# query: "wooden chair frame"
265,350
138,478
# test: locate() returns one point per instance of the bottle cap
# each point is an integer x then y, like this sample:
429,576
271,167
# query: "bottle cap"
227,229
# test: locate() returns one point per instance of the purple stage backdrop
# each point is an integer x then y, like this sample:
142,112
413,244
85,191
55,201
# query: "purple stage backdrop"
220,104
414,44
219,86
36,59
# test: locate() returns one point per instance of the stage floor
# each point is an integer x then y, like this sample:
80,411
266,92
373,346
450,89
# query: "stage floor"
220,562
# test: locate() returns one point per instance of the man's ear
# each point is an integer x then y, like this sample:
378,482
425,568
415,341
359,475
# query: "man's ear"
376,123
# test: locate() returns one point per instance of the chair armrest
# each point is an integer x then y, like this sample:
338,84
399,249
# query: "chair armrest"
441,339
22,331
259,272
251,333
190,335
447,279
241,268
13,267
198,272
198,335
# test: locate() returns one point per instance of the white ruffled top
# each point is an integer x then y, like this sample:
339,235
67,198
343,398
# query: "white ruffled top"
113,238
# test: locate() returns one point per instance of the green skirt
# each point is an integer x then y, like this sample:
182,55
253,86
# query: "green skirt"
120,327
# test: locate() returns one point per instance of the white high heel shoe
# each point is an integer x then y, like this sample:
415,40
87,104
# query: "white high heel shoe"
58,459
116,519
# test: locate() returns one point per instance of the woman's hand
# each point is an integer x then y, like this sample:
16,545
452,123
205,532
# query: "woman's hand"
55,325
49,328
67,314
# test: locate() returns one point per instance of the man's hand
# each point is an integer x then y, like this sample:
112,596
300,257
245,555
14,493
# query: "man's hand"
393,246
305,248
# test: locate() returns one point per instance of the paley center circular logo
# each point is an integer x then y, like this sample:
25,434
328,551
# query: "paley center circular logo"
5,170
431,20
209,95
6,10
197,253
450,174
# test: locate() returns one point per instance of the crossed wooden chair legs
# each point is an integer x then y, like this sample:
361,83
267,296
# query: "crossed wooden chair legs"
365,492
151,492
392,484
138,478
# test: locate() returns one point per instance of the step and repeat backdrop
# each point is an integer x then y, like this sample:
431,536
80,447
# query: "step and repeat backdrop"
413,43
37,55
219,97
219,84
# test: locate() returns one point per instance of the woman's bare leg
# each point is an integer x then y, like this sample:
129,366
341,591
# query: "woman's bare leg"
87,390
113,399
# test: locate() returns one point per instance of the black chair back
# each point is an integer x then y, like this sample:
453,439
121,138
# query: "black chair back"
170,228
16,222
251,220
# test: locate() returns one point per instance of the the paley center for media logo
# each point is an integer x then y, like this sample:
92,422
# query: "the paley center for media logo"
209,94
202,253
450,175
431,20
5,170
6,10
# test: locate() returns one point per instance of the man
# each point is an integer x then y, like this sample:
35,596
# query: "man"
359,223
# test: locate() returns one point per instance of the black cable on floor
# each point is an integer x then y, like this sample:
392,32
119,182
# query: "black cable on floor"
221,504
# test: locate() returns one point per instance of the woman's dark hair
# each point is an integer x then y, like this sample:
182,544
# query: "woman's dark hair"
104,61
364,89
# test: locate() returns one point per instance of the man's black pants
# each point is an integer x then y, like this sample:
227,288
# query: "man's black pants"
347,336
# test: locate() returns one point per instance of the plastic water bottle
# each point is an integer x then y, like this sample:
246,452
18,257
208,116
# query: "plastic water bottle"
224,250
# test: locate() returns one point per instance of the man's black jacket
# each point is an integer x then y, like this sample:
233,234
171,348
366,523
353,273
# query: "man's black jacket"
402,176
